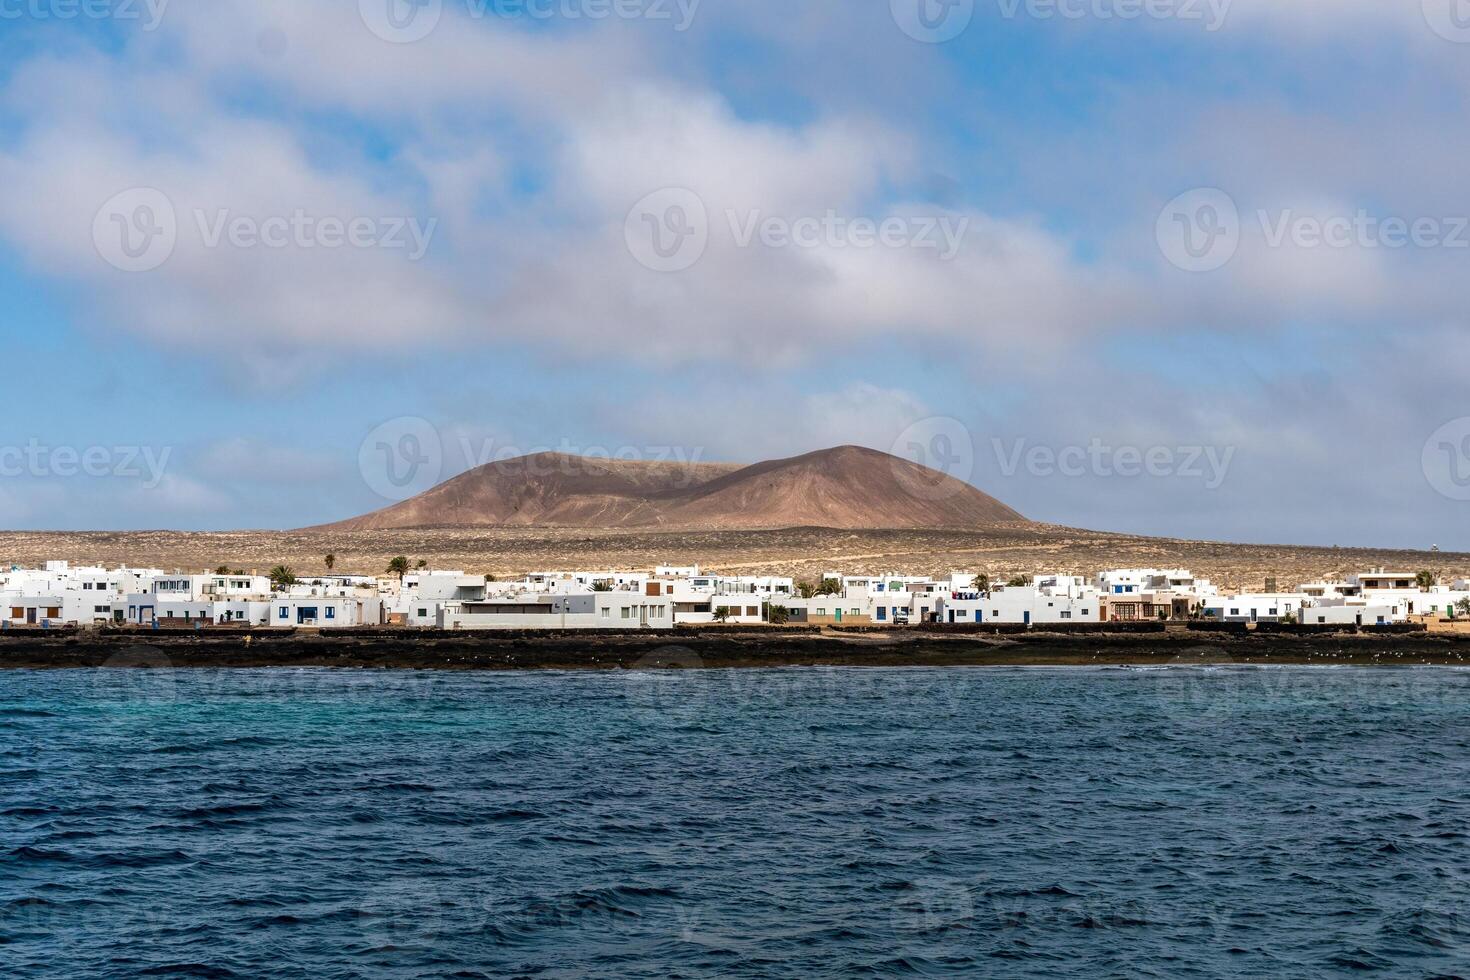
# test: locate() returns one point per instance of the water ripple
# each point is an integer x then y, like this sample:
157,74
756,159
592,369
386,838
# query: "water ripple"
1182,822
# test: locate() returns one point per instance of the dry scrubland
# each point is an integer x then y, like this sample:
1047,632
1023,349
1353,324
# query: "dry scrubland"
801,552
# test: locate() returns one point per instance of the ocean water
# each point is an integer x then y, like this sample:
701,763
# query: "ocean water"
1228,822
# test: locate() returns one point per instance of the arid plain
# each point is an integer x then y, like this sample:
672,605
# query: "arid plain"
801,552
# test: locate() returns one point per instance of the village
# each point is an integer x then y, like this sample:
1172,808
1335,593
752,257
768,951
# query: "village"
62,595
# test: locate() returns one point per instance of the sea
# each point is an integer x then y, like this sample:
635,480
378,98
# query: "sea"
1184,821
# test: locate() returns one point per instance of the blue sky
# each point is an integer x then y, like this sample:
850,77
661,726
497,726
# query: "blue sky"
505,173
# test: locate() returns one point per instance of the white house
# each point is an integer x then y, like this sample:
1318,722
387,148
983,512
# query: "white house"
1070,602
581,610
32,610
1346,615
1255,607
325,612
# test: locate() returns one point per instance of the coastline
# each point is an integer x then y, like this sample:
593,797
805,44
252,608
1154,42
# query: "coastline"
713,649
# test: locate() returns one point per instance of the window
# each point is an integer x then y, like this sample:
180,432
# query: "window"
332,612
1066,614
854,612
423,613
627,612
1235,612
284,614
821,612
606,612
882,614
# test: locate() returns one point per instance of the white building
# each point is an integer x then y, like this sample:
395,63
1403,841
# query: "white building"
1065,600
325,612
582,610
1346,615
1256,607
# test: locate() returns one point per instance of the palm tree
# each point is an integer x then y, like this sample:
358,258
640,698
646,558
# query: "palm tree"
281,576
982,584
222,570
1463,607
398,566
722,613
331,562
777,615
421,564
1425,581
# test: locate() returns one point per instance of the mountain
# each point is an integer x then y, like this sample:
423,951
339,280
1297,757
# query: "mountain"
846,487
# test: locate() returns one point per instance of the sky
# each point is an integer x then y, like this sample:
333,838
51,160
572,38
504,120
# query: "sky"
1193,268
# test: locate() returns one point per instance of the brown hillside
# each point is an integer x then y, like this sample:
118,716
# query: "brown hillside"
846,487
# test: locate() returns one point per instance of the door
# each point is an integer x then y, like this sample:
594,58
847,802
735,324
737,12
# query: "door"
839,614
1026,619
31,616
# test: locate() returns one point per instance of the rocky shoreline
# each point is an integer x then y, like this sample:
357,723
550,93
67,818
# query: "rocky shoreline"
711,649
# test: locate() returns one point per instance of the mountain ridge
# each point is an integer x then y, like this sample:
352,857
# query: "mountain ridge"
842,487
